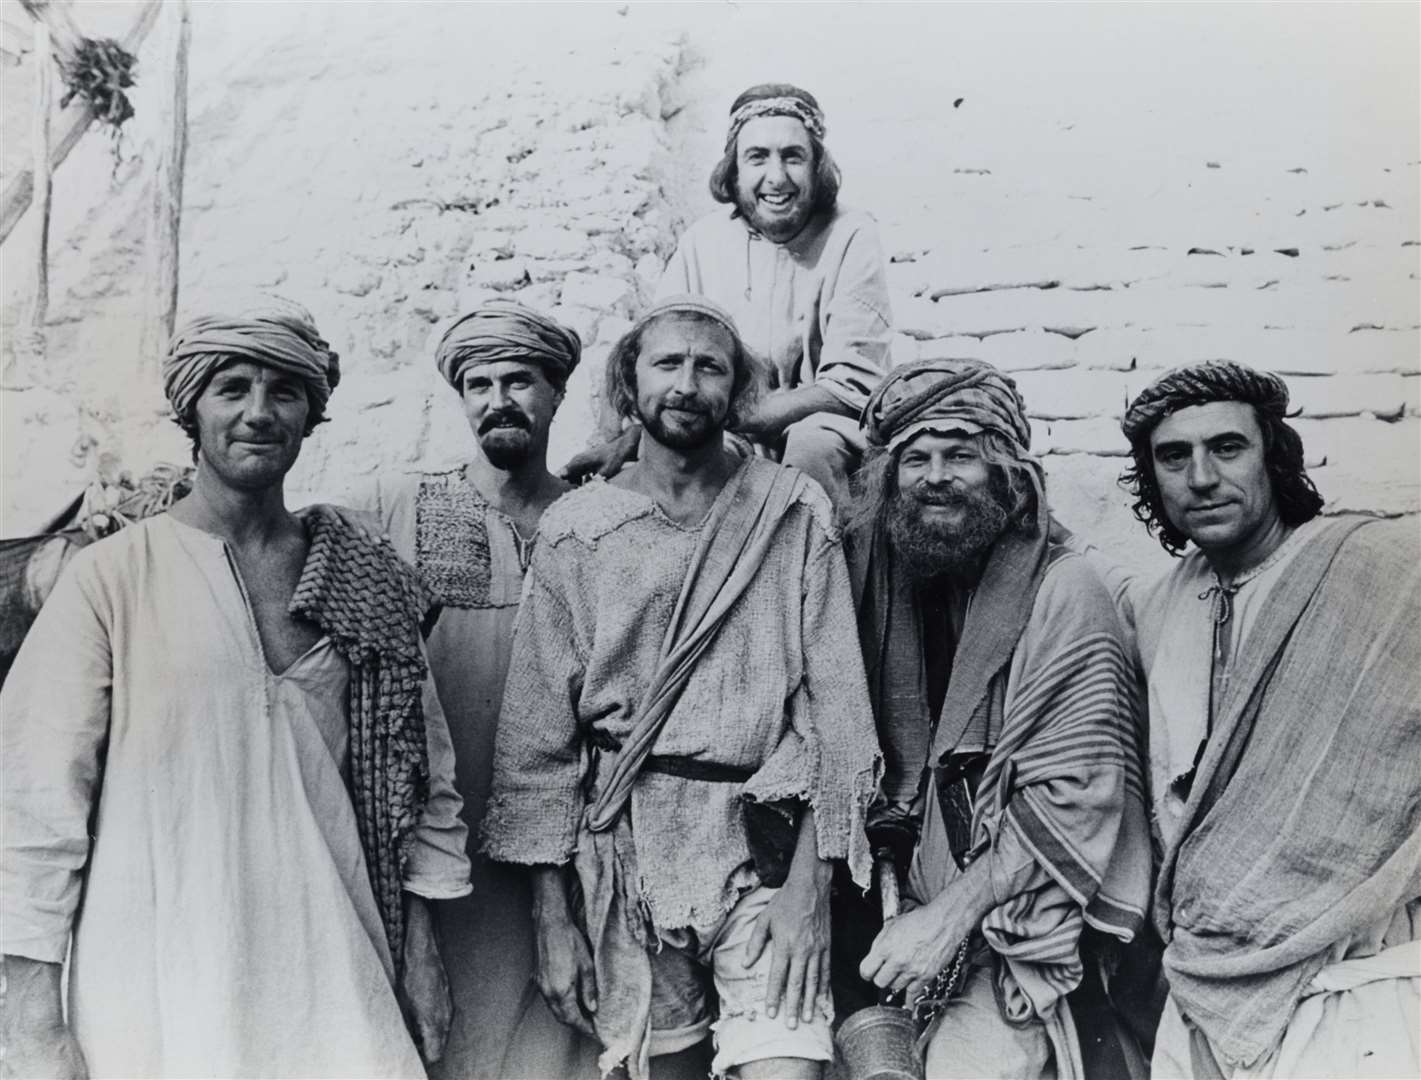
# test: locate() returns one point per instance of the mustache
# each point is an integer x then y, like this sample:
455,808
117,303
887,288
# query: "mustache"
690,404
939,495
504,418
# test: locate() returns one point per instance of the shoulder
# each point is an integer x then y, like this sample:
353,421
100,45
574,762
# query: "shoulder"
719,223
847,221
1074,591
810,500
587,514
1375,548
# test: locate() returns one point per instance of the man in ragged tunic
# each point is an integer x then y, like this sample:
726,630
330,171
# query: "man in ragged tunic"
803,278
226,772
685,730
469,532
1002,686
1285,734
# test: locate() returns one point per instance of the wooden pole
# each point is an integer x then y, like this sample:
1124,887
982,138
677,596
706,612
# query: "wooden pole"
165,225
29,353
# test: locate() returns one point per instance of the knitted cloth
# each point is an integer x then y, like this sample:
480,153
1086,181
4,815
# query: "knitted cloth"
370,605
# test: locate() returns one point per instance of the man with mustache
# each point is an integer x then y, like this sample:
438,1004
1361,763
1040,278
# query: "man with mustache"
685,733
803,278
469,531
1281,654
226,770
1005,701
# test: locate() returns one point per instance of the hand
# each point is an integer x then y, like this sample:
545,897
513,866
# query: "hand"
425,986
606,460
795,924
51,1054
912,948
35,1040
365,522
564,973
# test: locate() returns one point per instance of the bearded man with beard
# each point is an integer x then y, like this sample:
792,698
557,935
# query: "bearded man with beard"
685,731
802,276
1006,707
469,532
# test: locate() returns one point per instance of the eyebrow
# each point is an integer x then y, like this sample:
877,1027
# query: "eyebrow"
1212,440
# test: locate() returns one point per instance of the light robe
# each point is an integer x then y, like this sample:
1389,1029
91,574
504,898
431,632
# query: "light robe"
227,927
473,559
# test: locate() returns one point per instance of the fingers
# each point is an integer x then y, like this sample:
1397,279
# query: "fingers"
794,989
779,971
587,986
759,937
814,979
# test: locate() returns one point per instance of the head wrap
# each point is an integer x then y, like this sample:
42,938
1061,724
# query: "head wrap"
1201,384
944,396
688,304
506,330
776,99
272,331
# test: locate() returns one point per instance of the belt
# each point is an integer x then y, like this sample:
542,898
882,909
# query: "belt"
696,769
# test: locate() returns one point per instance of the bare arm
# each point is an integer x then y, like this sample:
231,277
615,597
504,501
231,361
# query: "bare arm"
36,1041
779,409
563,967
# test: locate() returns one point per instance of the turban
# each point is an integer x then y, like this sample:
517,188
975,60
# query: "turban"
1200,384
943,396
776,99
273,331
506,330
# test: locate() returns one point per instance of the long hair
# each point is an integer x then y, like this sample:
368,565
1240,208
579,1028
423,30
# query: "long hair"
621,371
1012,482
827,178
1293,491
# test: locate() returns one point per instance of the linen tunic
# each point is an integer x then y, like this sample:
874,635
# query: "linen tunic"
154,764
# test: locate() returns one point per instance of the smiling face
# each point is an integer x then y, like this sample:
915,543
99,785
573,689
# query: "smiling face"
685,381
510,406
251,422
1209,464
947,512
774,178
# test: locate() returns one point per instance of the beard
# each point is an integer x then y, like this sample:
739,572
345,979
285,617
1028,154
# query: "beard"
506,438
776,229
954,549
705,430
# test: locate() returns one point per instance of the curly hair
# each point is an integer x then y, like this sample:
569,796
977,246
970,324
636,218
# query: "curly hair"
621,371
1293,491
187,420
1011,480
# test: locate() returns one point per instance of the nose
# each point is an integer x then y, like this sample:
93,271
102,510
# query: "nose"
685,384
774,171
498,396
1202,475
259,407
938,470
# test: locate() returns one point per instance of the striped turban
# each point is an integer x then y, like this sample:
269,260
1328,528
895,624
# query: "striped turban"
945,396
271,331
506,330
775,99
1201,384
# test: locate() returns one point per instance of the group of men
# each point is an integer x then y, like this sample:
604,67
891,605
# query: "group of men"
668,723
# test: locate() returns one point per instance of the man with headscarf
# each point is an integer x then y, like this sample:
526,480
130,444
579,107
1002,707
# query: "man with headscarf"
685,731
1281,655
469,532
803,278
1001,684
220,737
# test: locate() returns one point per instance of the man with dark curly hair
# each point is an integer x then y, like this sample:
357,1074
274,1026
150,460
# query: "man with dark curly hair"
1281,655
803,278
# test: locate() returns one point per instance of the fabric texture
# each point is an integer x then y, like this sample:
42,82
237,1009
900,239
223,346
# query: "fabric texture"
228,924
506,330
799,108
1262,879
815,309
272,331
939,391
1200,384
598,601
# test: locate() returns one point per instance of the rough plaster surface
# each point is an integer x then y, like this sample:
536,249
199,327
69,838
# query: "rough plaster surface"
1119,190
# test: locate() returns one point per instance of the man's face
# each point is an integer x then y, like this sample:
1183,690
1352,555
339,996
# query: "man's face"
510,406
946,514
774,176
251,421
685,381
1209,466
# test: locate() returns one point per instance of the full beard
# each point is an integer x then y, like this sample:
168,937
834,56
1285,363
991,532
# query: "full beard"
693,437
940,550
777,230
506,447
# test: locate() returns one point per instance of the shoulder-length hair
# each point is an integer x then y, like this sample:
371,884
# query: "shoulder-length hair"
827,177
1297,498
750,375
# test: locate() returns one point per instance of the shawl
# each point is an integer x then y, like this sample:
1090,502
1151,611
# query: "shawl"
1304,821
370,604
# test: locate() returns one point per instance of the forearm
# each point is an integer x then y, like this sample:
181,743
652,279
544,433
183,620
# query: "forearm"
550,902
964,903
32,996
805,866
780,408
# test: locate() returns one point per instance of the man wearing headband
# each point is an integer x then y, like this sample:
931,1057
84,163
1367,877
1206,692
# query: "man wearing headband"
469,532
1001,684
226,773
803,278
685,730
1281,654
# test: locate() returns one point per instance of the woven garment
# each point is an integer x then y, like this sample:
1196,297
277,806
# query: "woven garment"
451,541
371,604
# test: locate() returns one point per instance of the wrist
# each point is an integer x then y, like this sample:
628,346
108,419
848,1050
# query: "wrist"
550,906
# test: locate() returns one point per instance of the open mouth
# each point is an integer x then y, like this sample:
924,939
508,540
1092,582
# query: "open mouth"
780,200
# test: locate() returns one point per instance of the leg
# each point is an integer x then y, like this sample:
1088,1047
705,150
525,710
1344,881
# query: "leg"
779,1069
972,1039
826,447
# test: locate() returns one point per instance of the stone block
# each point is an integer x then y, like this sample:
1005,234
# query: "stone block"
600,293
611,328
1084,493
1076,394
1349,395
904,350
499,274
1379,350
1097,435
355,280
1027,350
550,243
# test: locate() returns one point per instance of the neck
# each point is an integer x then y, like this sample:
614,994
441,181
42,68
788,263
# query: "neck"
528,484
239,516
1233,562
676,471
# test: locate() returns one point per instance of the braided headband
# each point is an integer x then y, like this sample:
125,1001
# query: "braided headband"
810,117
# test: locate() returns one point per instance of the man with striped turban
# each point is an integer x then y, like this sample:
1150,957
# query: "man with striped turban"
1281,655
802,276
220,736
1001,683
469,531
